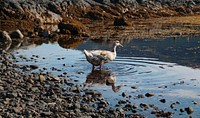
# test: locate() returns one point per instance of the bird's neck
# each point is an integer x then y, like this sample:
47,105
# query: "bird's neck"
114,50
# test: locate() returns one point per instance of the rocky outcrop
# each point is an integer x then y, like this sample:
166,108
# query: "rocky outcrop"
53,11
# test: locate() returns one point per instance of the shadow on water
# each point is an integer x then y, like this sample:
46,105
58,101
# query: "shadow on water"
102,78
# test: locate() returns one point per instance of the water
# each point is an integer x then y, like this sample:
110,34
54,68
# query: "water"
167,68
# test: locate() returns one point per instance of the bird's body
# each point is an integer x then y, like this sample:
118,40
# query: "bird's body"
100,57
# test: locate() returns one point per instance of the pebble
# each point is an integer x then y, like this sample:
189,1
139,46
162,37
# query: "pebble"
189,110
17,109
144,105
134,87
149,94
45,114
163,100
57,79
42,78
135,106
123,94
121,102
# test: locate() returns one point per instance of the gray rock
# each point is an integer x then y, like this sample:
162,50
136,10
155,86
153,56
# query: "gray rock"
42,78
4,37
17,109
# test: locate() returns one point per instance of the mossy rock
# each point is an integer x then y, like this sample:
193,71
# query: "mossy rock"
74,27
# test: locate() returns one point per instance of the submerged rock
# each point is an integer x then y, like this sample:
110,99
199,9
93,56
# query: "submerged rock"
189,110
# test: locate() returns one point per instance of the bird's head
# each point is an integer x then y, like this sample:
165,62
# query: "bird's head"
117,43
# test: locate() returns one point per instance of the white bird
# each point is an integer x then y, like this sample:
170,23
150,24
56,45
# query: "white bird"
100,57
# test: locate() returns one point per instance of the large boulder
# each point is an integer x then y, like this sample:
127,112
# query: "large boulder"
4,37
74,27
17,34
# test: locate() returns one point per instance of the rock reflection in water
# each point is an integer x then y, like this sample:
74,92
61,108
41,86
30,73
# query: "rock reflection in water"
102,78
69,43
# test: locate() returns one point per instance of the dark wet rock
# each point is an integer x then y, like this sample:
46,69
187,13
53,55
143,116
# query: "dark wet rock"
123,94
140,1
172,105
121,102
43,32
163,100
189,110
17,34
144,105
162,114
140,96
149,94
135,106
34,67
128,107
182,110
102,104
134,87
121,22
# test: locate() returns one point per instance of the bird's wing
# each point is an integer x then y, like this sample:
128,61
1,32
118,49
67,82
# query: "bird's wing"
101,54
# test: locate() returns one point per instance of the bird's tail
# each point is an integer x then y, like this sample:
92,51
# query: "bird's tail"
86,53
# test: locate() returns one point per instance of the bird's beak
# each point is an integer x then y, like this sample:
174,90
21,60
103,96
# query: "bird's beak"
121,45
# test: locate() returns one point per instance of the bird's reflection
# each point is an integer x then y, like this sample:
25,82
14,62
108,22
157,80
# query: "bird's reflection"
102,78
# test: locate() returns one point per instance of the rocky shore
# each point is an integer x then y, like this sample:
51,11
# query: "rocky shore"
45,95
39,94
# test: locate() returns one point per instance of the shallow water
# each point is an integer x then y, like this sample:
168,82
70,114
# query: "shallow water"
167,68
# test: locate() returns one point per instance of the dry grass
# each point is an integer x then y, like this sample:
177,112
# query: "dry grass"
193,20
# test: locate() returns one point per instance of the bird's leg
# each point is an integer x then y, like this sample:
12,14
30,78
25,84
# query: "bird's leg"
100,66
93,68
